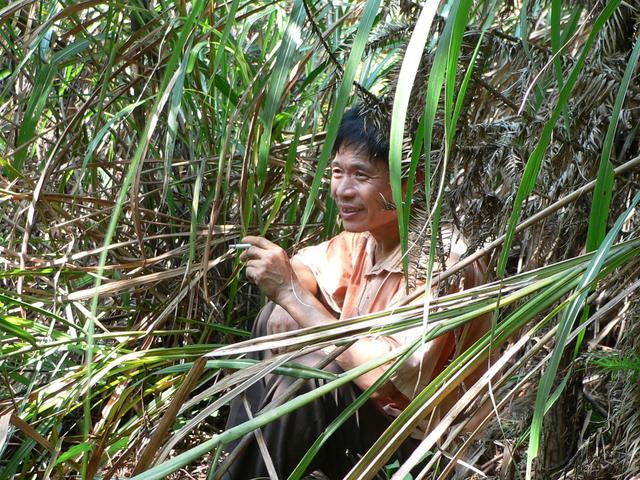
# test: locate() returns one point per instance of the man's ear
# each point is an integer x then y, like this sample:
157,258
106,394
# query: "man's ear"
419,176
418,181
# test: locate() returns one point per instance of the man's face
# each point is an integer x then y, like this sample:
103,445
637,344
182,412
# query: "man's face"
361,187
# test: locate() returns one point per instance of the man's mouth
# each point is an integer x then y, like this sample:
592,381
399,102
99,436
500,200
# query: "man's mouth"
348,212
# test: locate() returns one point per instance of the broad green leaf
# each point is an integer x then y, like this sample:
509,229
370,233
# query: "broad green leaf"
566,325
344,92
532,168
599,215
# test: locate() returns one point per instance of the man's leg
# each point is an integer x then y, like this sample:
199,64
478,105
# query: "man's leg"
289,437
254,395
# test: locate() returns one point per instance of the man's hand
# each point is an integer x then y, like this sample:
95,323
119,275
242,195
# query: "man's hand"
279,322
268,266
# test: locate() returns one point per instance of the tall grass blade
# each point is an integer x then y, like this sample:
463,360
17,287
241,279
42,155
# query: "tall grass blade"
406,78
344,93
599,215
532,168
287,55
566,325
35,106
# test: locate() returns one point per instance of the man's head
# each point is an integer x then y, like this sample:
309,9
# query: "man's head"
360,177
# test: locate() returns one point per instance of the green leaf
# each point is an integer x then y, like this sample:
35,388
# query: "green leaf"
97,139
556,35
74,452
565,327
532,168
15,326
291,369
34,308
344,93
406,78
35,106
599,215
118,445
287,56
284,189
71,50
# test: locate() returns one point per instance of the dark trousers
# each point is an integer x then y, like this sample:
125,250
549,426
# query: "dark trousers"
289,437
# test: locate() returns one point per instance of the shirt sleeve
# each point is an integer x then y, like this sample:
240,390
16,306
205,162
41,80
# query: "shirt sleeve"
331,263
432,357
424,364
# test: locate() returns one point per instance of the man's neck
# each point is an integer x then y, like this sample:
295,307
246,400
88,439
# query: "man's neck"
386,244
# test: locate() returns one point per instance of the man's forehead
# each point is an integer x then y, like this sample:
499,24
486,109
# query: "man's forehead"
355,159
355,163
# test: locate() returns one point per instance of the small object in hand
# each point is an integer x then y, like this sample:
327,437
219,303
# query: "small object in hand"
240,246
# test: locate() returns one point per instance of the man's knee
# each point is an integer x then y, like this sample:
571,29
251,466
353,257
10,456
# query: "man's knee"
262,319
271,319
319,359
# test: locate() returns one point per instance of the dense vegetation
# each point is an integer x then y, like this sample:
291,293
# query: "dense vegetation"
139,139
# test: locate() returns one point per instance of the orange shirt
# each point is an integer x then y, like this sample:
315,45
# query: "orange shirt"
351,283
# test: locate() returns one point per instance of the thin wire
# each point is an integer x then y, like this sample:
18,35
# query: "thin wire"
296,295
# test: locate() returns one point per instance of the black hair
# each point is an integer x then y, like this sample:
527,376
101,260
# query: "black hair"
358,130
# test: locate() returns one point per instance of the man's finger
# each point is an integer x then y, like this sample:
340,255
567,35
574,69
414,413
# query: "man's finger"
260,242
248,254
252,253
250,273
253,263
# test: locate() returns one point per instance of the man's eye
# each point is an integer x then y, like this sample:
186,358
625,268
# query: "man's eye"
361,175
336,171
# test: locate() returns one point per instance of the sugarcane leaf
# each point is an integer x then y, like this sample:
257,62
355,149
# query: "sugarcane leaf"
599,215
566,325
344,92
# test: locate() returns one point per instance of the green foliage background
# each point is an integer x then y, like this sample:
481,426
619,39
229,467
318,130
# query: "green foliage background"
139,139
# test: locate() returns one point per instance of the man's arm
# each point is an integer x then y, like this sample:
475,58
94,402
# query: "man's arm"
288,284
280,321
472,276
305,276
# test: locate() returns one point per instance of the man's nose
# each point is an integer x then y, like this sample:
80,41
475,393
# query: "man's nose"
344,187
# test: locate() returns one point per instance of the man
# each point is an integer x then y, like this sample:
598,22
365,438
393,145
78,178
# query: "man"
354,273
